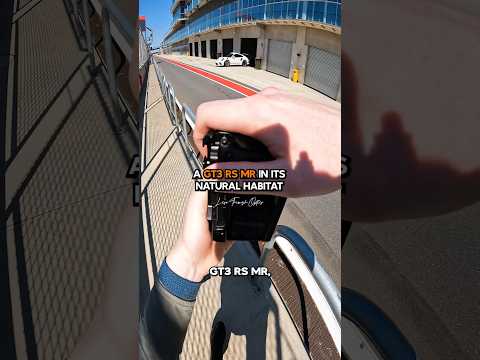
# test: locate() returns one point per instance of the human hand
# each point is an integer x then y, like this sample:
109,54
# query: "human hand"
302,135
195,252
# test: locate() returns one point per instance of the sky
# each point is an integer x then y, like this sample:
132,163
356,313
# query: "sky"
158,17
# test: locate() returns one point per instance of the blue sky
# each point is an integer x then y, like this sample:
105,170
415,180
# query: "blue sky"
158,16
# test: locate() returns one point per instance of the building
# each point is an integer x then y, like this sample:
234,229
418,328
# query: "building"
281,36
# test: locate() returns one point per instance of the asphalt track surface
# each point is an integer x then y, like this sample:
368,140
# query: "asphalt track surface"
193,89
317,219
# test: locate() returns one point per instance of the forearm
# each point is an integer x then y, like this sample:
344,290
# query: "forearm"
166,316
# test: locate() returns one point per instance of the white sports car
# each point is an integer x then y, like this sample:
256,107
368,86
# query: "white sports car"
233,59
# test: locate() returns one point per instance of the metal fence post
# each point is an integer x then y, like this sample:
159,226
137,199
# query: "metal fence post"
184,125
169,97
266,249
112,81
255,280
171,100
174,109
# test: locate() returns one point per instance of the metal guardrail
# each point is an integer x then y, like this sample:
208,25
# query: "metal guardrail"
145,40
319,284
182,116
328,286
143,51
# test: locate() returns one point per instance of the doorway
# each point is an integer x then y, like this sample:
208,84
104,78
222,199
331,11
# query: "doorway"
213,49
248,47
227,45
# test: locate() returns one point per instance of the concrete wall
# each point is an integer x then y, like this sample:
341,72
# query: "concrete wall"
299,54
301,37
324,40
281,32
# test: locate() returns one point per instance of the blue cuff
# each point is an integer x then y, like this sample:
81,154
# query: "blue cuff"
176,285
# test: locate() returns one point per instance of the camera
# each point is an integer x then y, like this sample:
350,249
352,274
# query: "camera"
235,216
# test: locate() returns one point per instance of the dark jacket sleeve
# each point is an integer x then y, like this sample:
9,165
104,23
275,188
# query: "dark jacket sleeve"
163,325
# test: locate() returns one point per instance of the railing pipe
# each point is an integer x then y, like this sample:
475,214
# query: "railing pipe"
320,297
184,125
321,276
112,79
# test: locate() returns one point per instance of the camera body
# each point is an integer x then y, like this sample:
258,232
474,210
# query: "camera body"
235,216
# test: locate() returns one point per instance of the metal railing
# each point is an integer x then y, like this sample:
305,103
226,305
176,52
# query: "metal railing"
318,283
182,117
123,32
143,50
